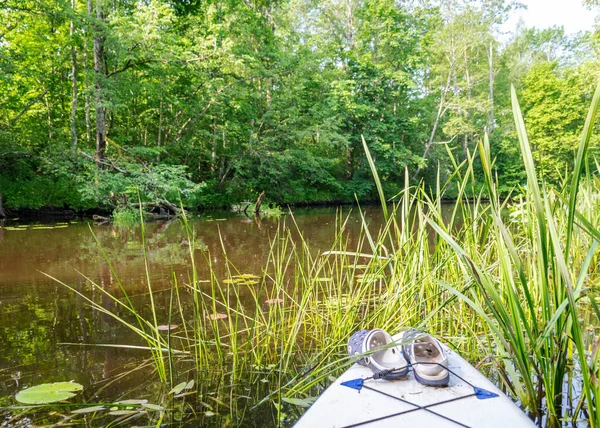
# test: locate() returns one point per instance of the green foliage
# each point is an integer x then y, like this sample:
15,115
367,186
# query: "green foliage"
28,181
125,216
149,183
48,393
273,96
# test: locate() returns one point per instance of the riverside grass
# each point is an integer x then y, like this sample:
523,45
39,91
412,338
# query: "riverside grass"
506,282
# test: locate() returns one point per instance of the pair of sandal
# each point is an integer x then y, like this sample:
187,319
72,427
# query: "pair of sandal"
389,360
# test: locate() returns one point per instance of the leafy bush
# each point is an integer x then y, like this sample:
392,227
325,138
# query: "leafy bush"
133,181
28,181
125,216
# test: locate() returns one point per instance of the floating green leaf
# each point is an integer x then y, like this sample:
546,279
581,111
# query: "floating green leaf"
134,401
48,393
178,388
123,412
153,407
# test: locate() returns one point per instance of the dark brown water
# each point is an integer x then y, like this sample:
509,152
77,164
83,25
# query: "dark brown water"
45,328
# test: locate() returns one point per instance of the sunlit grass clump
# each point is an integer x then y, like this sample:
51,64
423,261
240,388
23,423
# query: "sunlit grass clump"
506,282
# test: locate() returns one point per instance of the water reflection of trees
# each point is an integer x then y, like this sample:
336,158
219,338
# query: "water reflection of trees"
38,315
166,244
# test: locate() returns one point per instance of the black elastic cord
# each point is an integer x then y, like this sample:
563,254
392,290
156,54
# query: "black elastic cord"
446,368
411,410
383,373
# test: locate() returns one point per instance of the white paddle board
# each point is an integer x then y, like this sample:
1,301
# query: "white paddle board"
341,406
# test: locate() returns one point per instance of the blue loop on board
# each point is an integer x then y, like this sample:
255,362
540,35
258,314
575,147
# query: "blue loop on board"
484,394
354,384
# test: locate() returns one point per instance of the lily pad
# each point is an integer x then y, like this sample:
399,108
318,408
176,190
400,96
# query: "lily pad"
214,317
178,388
48,393
167,327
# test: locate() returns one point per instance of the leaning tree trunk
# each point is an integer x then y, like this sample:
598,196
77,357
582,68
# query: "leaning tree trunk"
98,82
258,203
440,112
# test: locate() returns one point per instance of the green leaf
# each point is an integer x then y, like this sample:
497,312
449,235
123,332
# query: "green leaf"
48,393
123,412
302,402
153,407
376,178
88,410
178,388
133,401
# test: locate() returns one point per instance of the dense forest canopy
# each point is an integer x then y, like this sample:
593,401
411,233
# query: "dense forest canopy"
216,101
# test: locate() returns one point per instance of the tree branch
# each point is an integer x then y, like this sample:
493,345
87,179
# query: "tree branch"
129,64
106,162
182,131
24,110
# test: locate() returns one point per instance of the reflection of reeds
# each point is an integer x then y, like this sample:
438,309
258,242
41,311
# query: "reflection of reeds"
507,293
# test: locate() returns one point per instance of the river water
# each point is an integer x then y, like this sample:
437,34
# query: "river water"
48,333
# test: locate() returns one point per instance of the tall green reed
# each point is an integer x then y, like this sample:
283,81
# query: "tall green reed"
530,298
505,291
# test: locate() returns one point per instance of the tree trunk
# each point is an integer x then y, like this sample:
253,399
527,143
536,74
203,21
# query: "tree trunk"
222,166
48,118
2,213
74,79
213,154
160,119
438,117
99,74
258,203
349,25
88,126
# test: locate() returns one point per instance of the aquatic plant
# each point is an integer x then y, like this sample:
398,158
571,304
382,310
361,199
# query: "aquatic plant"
507,291
530,296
